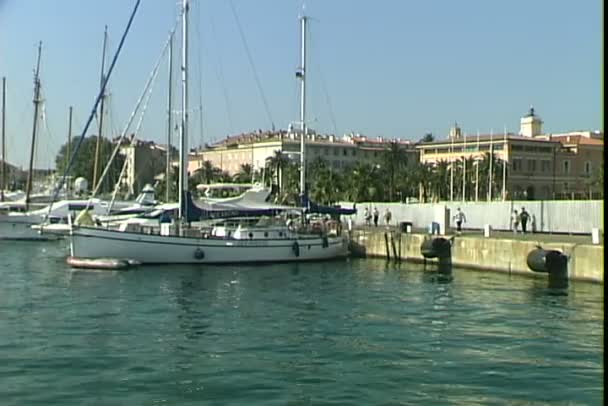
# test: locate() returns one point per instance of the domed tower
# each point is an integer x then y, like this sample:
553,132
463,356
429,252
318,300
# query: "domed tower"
531,125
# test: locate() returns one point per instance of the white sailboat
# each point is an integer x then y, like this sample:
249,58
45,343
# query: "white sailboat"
180,243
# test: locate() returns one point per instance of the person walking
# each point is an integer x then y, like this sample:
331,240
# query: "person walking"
514,221
387,217
376,216
460,218
367,216
524,216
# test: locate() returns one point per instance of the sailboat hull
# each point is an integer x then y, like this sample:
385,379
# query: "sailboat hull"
88,242
20,228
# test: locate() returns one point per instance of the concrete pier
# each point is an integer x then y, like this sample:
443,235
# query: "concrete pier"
586,261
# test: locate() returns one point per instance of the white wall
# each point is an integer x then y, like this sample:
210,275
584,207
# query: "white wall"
558,216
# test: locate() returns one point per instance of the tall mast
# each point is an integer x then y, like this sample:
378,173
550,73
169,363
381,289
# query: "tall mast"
169,121
2,170
301,74
183,142
101,106
69,154
505,151
28,189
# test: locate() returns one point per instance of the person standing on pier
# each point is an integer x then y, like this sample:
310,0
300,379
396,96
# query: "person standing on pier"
387,217
376,216
368,217
514,221
460,219
524,217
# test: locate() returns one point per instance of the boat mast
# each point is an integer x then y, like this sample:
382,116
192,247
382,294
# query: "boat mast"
101,107
301,74
183,142
28,189
169,121
2,170
69,154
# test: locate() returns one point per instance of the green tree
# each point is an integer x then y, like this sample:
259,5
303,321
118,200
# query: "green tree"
394,161
245,174
428,137
84,161
275,165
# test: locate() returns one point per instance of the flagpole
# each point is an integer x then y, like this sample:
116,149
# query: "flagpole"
452,167
504,166
491,165
464,168
477,170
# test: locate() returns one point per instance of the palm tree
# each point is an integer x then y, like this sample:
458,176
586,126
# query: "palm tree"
244,175
290,192
362,183
489,161
207,173
328,186
275,164
394,162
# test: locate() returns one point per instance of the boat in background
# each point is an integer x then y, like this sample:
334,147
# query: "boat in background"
52,222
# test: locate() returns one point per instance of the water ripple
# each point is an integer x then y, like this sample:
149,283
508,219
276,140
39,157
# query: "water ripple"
343,333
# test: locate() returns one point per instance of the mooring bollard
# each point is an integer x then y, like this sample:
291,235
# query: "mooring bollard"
595,236
487,230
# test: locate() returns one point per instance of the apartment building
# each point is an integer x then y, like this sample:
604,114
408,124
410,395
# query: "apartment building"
257,148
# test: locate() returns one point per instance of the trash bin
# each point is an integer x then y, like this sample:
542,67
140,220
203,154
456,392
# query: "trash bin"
405,226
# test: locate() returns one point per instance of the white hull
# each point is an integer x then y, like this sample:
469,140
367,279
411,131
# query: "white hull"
16,228
89,242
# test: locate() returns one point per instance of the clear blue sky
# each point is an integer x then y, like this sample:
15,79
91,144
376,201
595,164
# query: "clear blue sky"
391,68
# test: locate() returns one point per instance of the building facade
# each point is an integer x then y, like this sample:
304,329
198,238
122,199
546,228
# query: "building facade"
144,161
538,166
256,149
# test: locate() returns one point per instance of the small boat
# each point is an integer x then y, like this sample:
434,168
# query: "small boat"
101,263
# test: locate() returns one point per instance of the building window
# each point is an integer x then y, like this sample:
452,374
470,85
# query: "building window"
516,165
545,166
587,168
566,167
335,151
531,165
354,152
344,152
326,151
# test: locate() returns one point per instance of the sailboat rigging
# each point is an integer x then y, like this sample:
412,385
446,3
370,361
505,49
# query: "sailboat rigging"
266,238
101,109
28,188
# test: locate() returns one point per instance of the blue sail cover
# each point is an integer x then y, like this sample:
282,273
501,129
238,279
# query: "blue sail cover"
205,211
202,211
312,207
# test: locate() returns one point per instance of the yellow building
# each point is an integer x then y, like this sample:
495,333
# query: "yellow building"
539,166
256,148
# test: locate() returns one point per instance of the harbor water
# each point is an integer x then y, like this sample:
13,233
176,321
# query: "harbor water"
349,332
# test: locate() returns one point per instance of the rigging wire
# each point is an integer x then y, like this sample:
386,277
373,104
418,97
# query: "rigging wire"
132,143
200,76
147,89
219,73
96,104
324,89
255,74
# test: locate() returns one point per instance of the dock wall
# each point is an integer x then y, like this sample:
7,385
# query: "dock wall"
586,262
